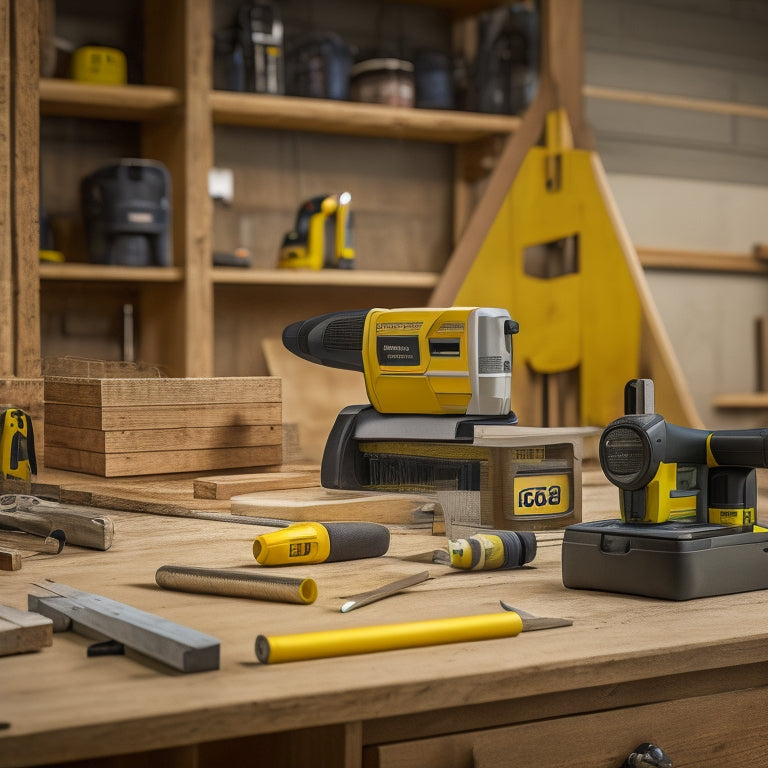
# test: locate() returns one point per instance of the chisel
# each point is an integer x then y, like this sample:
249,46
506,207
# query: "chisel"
389,637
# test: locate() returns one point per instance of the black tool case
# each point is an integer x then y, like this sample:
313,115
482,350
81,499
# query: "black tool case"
674,561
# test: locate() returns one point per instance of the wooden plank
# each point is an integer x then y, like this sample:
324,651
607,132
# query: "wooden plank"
148,392
676,102
82,528
7,303
10,560
159,495
701,261
562,61
326,505
185,145
741,400
174,644
227,486
161,417
139,440
84,367
658,359
22,631
25,188
154,462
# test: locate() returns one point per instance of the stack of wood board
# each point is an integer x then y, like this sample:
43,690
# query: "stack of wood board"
135,426
23,631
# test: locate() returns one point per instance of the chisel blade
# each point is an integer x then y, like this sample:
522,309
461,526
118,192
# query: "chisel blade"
366,598
532,623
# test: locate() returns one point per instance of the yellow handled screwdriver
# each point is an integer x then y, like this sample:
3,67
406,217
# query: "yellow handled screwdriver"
308,543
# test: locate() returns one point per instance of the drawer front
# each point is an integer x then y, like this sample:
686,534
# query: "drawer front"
722,729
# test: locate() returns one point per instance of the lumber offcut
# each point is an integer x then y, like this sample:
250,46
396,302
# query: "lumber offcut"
148,426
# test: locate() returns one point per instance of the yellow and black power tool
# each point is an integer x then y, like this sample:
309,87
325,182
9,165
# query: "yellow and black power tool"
322,236
667,472
688,512
438,382
17,445
454,360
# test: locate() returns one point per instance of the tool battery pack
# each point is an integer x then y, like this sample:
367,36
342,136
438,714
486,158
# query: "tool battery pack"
673,561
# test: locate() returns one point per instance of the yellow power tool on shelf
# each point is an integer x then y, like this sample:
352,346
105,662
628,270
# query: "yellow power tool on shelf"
322,236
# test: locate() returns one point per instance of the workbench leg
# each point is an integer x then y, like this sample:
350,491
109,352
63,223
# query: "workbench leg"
353,745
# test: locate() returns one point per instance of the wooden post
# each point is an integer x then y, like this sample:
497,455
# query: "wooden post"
25,228
184,143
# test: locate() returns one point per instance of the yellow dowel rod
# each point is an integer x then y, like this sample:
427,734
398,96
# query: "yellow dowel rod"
386,637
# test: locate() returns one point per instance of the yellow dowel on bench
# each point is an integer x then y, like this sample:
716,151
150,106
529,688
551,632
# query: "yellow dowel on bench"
386,637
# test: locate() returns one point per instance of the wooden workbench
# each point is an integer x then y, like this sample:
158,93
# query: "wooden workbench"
691,677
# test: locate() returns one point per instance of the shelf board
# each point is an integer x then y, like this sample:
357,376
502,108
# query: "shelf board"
106,102
701,261
735,108
353,118
107,273
324,277
742,400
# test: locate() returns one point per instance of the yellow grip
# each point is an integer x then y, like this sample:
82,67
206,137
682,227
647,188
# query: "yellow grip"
297,544
386,637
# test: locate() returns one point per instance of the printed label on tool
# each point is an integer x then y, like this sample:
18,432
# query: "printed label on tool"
300,549
542,494
398,350
743,516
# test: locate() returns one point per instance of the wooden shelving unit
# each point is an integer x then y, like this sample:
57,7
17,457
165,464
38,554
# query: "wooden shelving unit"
177,115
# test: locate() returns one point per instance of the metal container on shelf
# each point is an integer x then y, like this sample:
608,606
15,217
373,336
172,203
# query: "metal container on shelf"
387,81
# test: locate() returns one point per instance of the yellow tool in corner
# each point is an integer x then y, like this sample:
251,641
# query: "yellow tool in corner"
17,445
322,235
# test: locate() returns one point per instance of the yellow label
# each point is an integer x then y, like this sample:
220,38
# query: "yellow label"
534,453
743,516
542,494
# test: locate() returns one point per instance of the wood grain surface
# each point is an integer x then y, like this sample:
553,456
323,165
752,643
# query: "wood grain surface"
621,651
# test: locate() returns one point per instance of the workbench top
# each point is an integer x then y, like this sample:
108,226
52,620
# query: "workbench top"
61,705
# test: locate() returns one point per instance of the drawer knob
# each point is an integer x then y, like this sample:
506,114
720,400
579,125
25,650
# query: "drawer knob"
647,755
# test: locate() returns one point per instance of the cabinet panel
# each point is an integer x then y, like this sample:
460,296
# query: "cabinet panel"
692,731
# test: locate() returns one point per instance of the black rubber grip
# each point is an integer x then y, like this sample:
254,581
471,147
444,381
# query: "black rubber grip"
519,547
334,339
740,447
354,541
